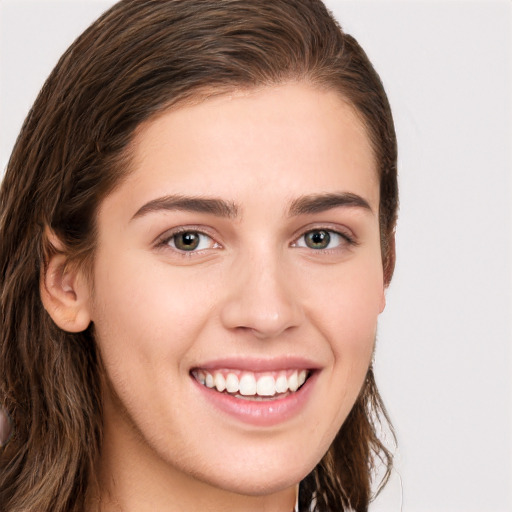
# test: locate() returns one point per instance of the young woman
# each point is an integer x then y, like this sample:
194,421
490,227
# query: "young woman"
196,236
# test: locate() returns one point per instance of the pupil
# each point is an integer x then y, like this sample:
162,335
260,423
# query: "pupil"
318,239
187,241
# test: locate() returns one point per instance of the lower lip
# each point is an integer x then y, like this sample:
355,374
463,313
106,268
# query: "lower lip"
263,413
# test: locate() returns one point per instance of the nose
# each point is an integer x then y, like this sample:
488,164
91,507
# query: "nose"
261,298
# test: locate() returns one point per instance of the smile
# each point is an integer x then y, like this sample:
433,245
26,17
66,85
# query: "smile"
252,385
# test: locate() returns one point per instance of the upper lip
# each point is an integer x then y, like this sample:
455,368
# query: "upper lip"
260,364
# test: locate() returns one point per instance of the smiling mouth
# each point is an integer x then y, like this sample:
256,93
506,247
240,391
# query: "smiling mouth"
252,385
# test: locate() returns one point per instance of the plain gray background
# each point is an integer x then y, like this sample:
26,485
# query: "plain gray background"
444,358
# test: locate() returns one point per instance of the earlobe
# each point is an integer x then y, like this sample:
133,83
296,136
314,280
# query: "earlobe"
382,300
65,294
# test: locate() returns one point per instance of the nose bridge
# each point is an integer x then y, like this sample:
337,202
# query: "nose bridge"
261,298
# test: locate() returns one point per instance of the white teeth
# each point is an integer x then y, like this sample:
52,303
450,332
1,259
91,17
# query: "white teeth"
266,386
232,383
281,384
220,382
293,382
248,384
209,380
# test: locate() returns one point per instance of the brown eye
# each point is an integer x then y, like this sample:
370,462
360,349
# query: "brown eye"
323,239
318,239
187,241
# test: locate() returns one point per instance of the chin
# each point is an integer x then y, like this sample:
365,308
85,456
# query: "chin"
256,482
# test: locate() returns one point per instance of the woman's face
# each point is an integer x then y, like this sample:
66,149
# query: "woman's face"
243,251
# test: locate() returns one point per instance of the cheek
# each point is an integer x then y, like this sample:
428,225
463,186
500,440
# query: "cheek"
146,315
346,308
147,320
346,315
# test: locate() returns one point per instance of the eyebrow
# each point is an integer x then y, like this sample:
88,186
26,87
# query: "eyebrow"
212,206
317,203
310,204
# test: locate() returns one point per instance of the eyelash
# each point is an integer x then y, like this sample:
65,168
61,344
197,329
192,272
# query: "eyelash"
343,238
164,242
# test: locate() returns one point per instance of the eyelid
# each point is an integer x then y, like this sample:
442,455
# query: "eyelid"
163,240
346,233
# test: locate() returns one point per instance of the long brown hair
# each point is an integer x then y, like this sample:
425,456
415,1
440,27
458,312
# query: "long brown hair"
140,58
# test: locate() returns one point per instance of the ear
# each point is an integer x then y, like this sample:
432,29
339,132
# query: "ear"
390,259
382,305
64,290
389,267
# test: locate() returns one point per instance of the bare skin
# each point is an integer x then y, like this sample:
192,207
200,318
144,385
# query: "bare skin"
280,268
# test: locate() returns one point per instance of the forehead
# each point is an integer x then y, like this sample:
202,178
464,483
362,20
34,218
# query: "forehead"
282,141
